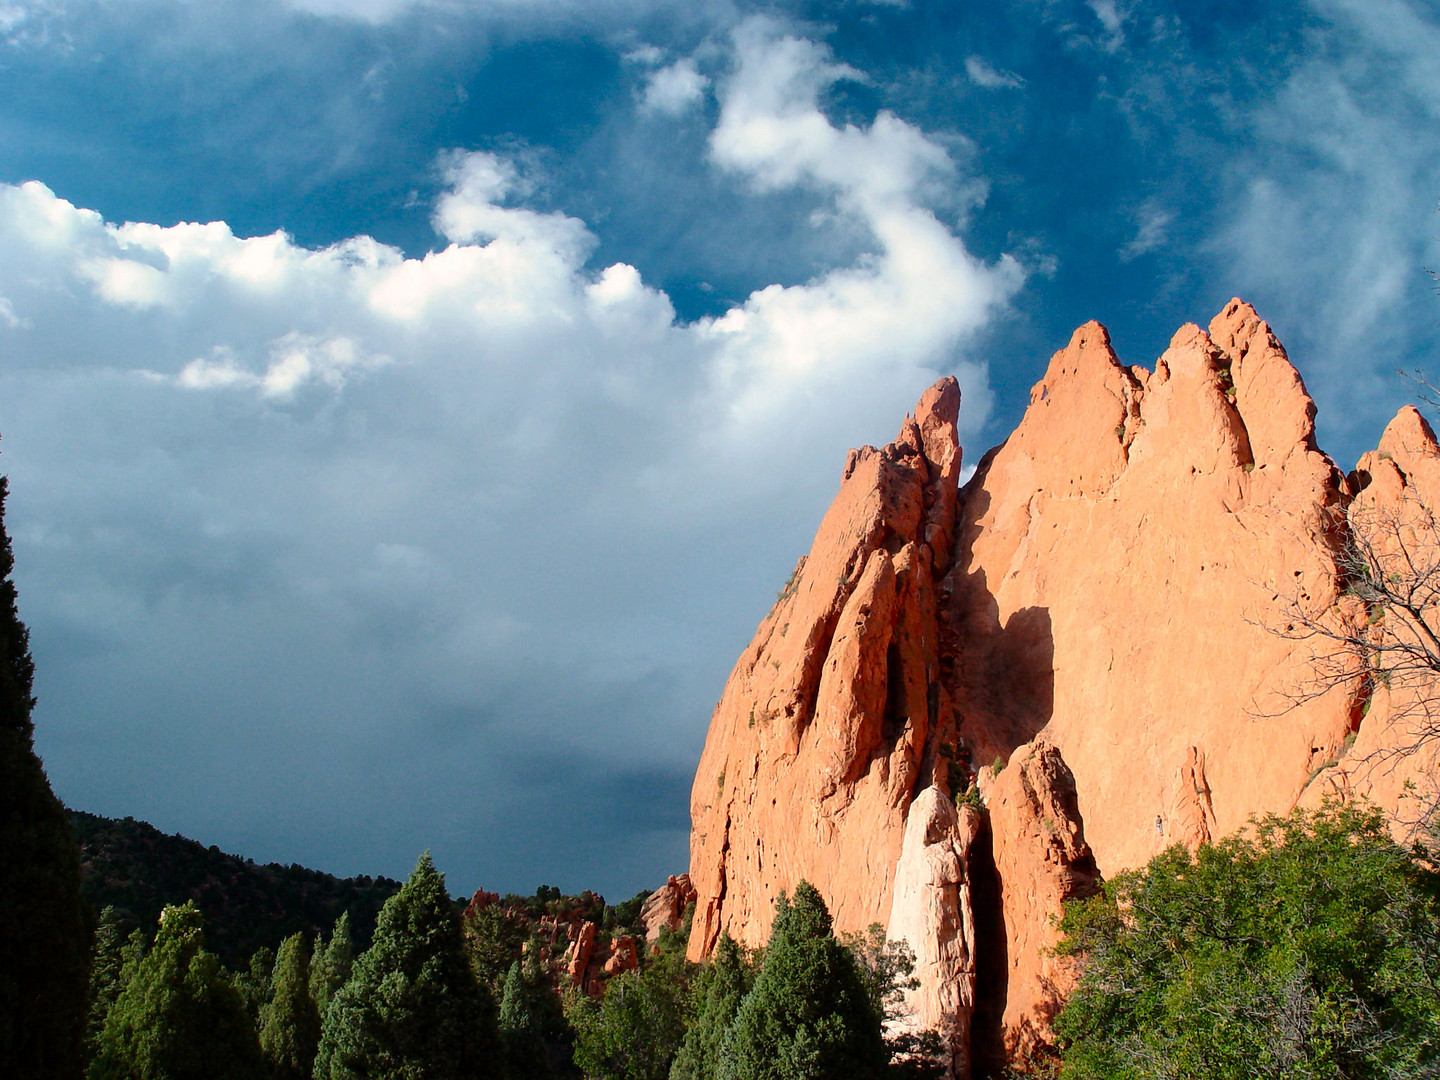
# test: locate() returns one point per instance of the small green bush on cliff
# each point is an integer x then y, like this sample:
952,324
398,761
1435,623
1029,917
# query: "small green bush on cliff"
1308,947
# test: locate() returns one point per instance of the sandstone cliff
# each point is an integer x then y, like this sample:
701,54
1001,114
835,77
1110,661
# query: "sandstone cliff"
1095,629
828,723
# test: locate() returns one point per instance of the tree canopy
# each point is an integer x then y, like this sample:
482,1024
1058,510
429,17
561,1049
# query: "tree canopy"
413,1008
809,1015
1307,948
177,1016
289,1021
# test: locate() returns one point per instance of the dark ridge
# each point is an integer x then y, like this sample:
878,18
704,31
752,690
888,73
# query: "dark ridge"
137,869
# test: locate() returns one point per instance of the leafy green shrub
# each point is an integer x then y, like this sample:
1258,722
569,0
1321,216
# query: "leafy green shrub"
635,1030
1308,947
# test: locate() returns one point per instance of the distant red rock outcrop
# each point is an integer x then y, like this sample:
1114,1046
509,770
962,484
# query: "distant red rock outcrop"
1088,631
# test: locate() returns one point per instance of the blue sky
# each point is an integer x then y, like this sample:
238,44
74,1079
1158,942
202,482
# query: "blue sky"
411,407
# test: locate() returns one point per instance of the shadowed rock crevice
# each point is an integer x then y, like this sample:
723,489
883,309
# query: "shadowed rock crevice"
992,960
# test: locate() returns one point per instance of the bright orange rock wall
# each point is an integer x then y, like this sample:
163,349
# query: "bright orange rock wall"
1108,607
819,741
1118,558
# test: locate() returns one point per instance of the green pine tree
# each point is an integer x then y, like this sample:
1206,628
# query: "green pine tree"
113,946
413,1008
44,928
522,1022
331,965
290,1022
721,990
809,1015
254,982
178,1017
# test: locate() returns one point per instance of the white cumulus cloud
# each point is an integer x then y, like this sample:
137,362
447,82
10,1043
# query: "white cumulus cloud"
423,494
672,90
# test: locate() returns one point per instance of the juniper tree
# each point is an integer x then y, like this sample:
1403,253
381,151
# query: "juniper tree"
178,1016
44,930
809,1015
720,990
532,1027
289,1021
413,1008
331,964
254,982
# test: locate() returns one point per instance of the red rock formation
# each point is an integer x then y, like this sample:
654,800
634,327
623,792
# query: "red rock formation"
665,907
1117,560
1042,860
821,736
580,953
1391,758
1097,608
479,901
623,957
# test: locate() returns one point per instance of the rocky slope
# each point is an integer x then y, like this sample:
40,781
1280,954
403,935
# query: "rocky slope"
1100,630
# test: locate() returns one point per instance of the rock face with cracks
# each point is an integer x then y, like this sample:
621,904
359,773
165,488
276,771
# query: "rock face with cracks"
1093,630
829,723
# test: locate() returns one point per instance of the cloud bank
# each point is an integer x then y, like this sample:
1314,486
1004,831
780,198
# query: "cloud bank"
453,522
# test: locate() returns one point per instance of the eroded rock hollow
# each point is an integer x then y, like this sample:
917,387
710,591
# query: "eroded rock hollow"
1090,636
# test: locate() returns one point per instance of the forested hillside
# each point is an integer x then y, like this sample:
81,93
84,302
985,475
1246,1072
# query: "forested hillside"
138,870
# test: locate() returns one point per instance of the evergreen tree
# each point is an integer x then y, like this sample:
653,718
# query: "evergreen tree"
413,1009
809,1015
44,928
494,940
635,1030
254,982
721,989
113,946
290,1022
177,1016
522,1022
331,965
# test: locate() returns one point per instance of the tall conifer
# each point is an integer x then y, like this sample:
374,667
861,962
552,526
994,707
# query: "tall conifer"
331,965
289,1021
809,1015
178,1017
111,950
723,987
44,931
522,1024
413,1008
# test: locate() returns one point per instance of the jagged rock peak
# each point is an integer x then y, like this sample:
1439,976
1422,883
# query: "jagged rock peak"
830,719
1086,629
